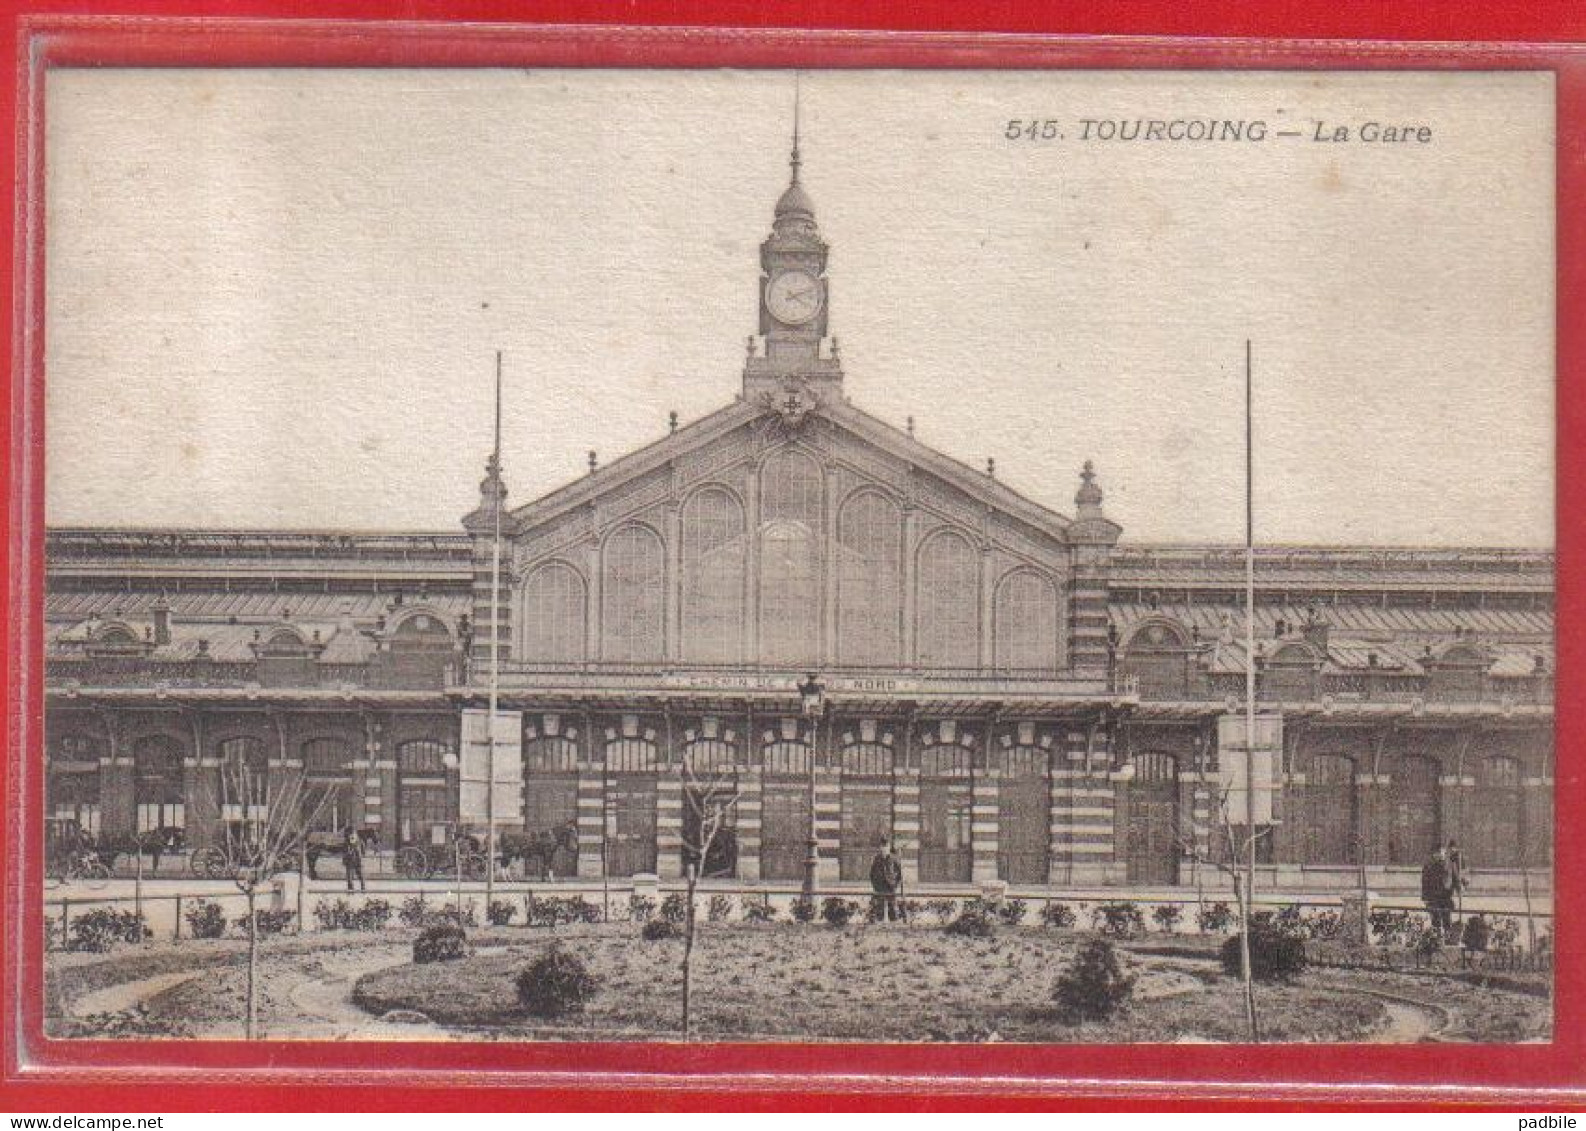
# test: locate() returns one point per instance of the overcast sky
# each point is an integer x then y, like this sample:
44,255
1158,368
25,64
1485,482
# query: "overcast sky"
275,296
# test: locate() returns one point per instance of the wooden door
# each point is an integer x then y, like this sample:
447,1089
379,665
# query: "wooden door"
784,829
1023,830
549,804
630,847
1151,829
946,853
1415,820
866,823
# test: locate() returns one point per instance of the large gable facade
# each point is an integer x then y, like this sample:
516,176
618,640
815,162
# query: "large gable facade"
1007,692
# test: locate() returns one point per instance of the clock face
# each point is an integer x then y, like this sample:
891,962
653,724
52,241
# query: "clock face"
793,297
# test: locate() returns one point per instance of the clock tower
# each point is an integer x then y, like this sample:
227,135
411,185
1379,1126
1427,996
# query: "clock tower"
794,301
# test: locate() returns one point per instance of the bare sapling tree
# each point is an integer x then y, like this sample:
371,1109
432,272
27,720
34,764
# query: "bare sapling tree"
1237,849
711,795
268,836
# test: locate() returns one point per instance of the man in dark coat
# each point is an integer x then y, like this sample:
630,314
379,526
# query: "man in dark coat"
1437,892
352,859
886,880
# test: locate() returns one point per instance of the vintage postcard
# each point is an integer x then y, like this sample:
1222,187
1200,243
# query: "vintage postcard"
649,555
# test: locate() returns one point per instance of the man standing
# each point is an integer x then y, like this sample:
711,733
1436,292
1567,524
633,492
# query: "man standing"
886,880
352,859
1437,892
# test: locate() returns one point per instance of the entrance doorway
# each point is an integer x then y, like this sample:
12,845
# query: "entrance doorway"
866,823
1151,830
945,846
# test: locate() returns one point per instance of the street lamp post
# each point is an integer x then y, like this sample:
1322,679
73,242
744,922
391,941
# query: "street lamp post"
812,698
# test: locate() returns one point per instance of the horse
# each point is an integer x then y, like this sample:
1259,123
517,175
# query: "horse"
323,842
540,846
167,840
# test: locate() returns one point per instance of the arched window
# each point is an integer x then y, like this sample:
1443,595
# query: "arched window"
157,783
550,754
791,486
1415,823
713,577
1496,819
949,602
1157,654
553,615
1326,804
1026,623
420,650
633,596
867,759
869,580
423,795
327,784
74,780
244,779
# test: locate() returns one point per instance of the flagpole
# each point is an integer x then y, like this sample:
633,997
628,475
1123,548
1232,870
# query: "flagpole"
1250,692
495,668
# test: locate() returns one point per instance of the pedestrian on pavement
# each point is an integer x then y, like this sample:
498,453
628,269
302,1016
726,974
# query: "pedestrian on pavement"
352,859
1437,893
886,880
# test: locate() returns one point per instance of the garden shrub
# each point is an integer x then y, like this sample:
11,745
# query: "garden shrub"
556,984
1390,927
333,916
974,921
500,913
1276,955
942,909
1216,919
836,911
1012,911
912,910
267,922
640,908
1058,915
100,929
453,916
674,908
1323,925
1094,986
761,912
205,920
372,916
440,942
1167,916
803,910
657,929
720,909
415,911
1118,920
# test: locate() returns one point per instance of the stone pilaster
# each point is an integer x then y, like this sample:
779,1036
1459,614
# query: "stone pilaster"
906,823
748,823
1084,801
828,824
669,826
983,827
592,830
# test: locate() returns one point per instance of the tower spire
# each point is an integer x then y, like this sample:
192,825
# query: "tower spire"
793,161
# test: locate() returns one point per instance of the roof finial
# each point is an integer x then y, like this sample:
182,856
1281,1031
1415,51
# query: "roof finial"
794,160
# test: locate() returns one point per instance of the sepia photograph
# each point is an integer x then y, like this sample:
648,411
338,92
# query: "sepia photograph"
773,555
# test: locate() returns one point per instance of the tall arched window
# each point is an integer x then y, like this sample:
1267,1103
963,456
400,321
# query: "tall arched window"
1496,820
869,580
553,615
791,486
157,783
1326,805
423,793
949,602
327,784
713,577
1026,622
74,780
633,596
244,779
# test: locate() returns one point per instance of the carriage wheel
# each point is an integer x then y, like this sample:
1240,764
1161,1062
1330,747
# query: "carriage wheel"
475,866
94,874
413,864
210,863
